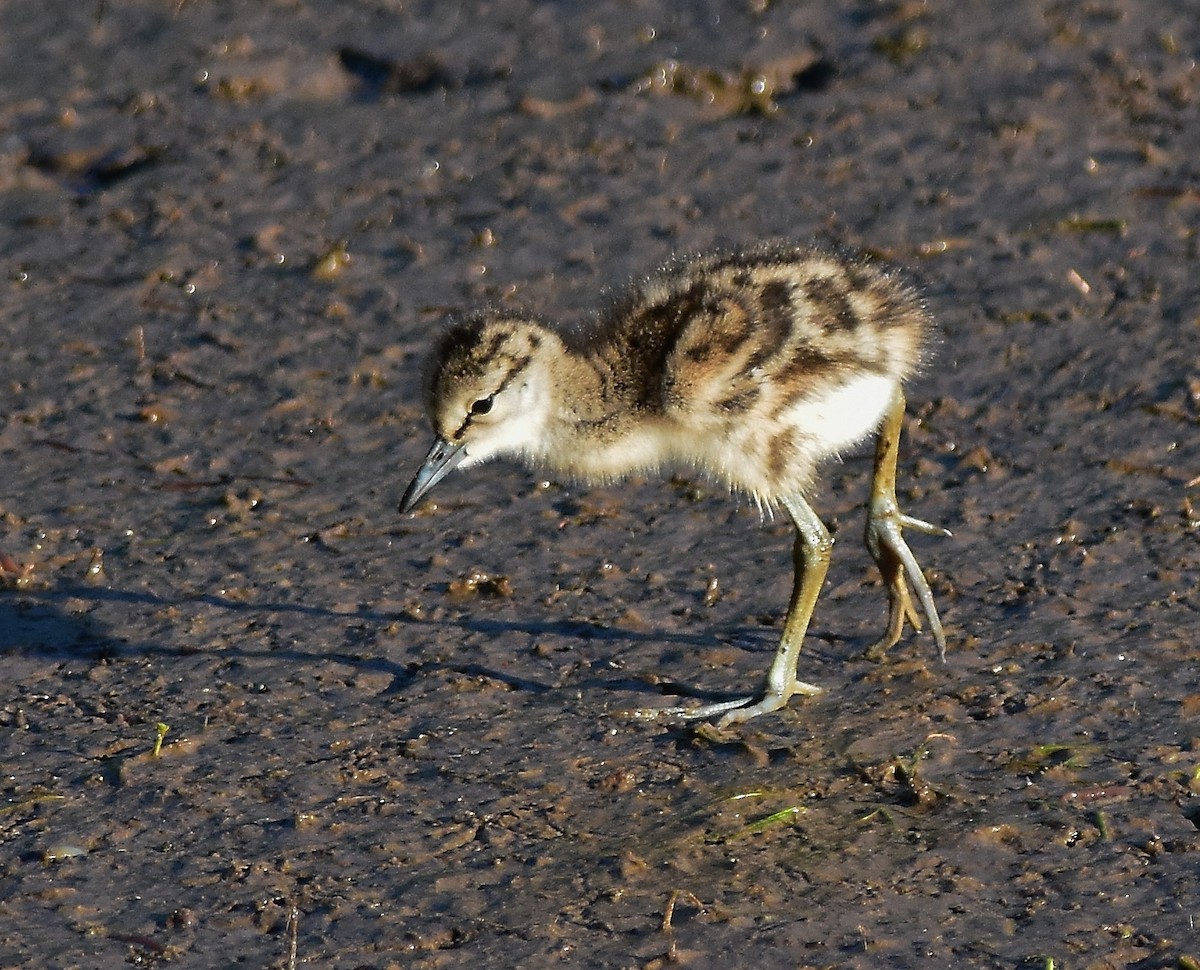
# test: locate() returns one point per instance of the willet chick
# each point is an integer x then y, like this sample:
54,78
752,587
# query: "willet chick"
750,368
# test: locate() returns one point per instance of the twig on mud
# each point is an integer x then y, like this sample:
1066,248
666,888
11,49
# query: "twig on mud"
293,923
669,912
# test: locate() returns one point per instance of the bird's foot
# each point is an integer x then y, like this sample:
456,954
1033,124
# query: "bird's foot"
885,540
735,711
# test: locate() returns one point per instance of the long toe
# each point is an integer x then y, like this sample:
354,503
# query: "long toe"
690,713
770,701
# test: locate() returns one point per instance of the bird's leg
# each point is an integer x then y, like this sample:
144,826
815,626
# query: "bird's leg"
810,556
885,541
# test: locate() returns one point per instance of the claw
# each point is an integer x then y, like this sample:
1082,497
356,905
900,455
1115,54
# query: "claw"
920,525
885,541
734,711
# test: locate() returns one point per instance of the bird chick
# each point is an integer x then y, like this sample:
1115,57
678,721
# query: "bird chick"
750,368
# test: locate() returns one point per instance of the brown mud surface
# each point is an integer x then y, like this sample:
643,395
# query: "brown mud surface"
227,232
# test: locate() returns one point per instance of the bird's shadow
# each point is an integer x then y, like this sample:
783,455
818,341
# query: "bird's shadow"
39,623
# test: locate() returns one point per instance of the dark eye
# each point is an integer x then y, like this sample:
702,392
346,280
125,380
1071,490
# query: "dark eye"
482,406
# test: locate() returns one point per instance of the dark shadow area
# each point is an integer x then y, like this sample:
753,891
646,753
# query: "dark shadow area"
32,626
579,629
34,622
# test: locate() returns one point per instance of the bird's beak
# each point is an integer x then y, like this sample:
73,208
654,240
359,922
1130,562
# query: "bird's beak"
441,460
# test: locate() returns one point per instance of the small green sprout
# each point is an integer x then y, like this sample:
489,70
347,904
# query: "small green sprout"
161,733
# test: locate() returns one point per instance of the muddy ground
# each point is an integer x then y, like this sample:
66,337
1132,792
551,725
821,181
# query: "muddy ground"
227,232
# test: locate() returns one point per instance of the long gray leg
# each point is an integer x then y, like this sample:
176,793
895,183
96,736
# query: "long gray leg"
885,541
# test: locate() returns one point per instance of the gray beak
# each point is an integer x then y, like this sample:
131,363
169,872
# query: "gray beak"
441,460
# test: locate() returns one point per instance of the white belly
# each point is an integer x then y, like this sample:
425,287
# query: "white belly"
844,415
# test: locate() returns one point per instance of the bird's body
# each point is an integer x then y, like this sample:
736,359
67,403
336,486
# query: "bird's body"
750,368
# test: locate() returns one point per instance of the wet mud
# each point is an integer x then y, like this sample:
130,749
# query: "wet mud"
251,716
